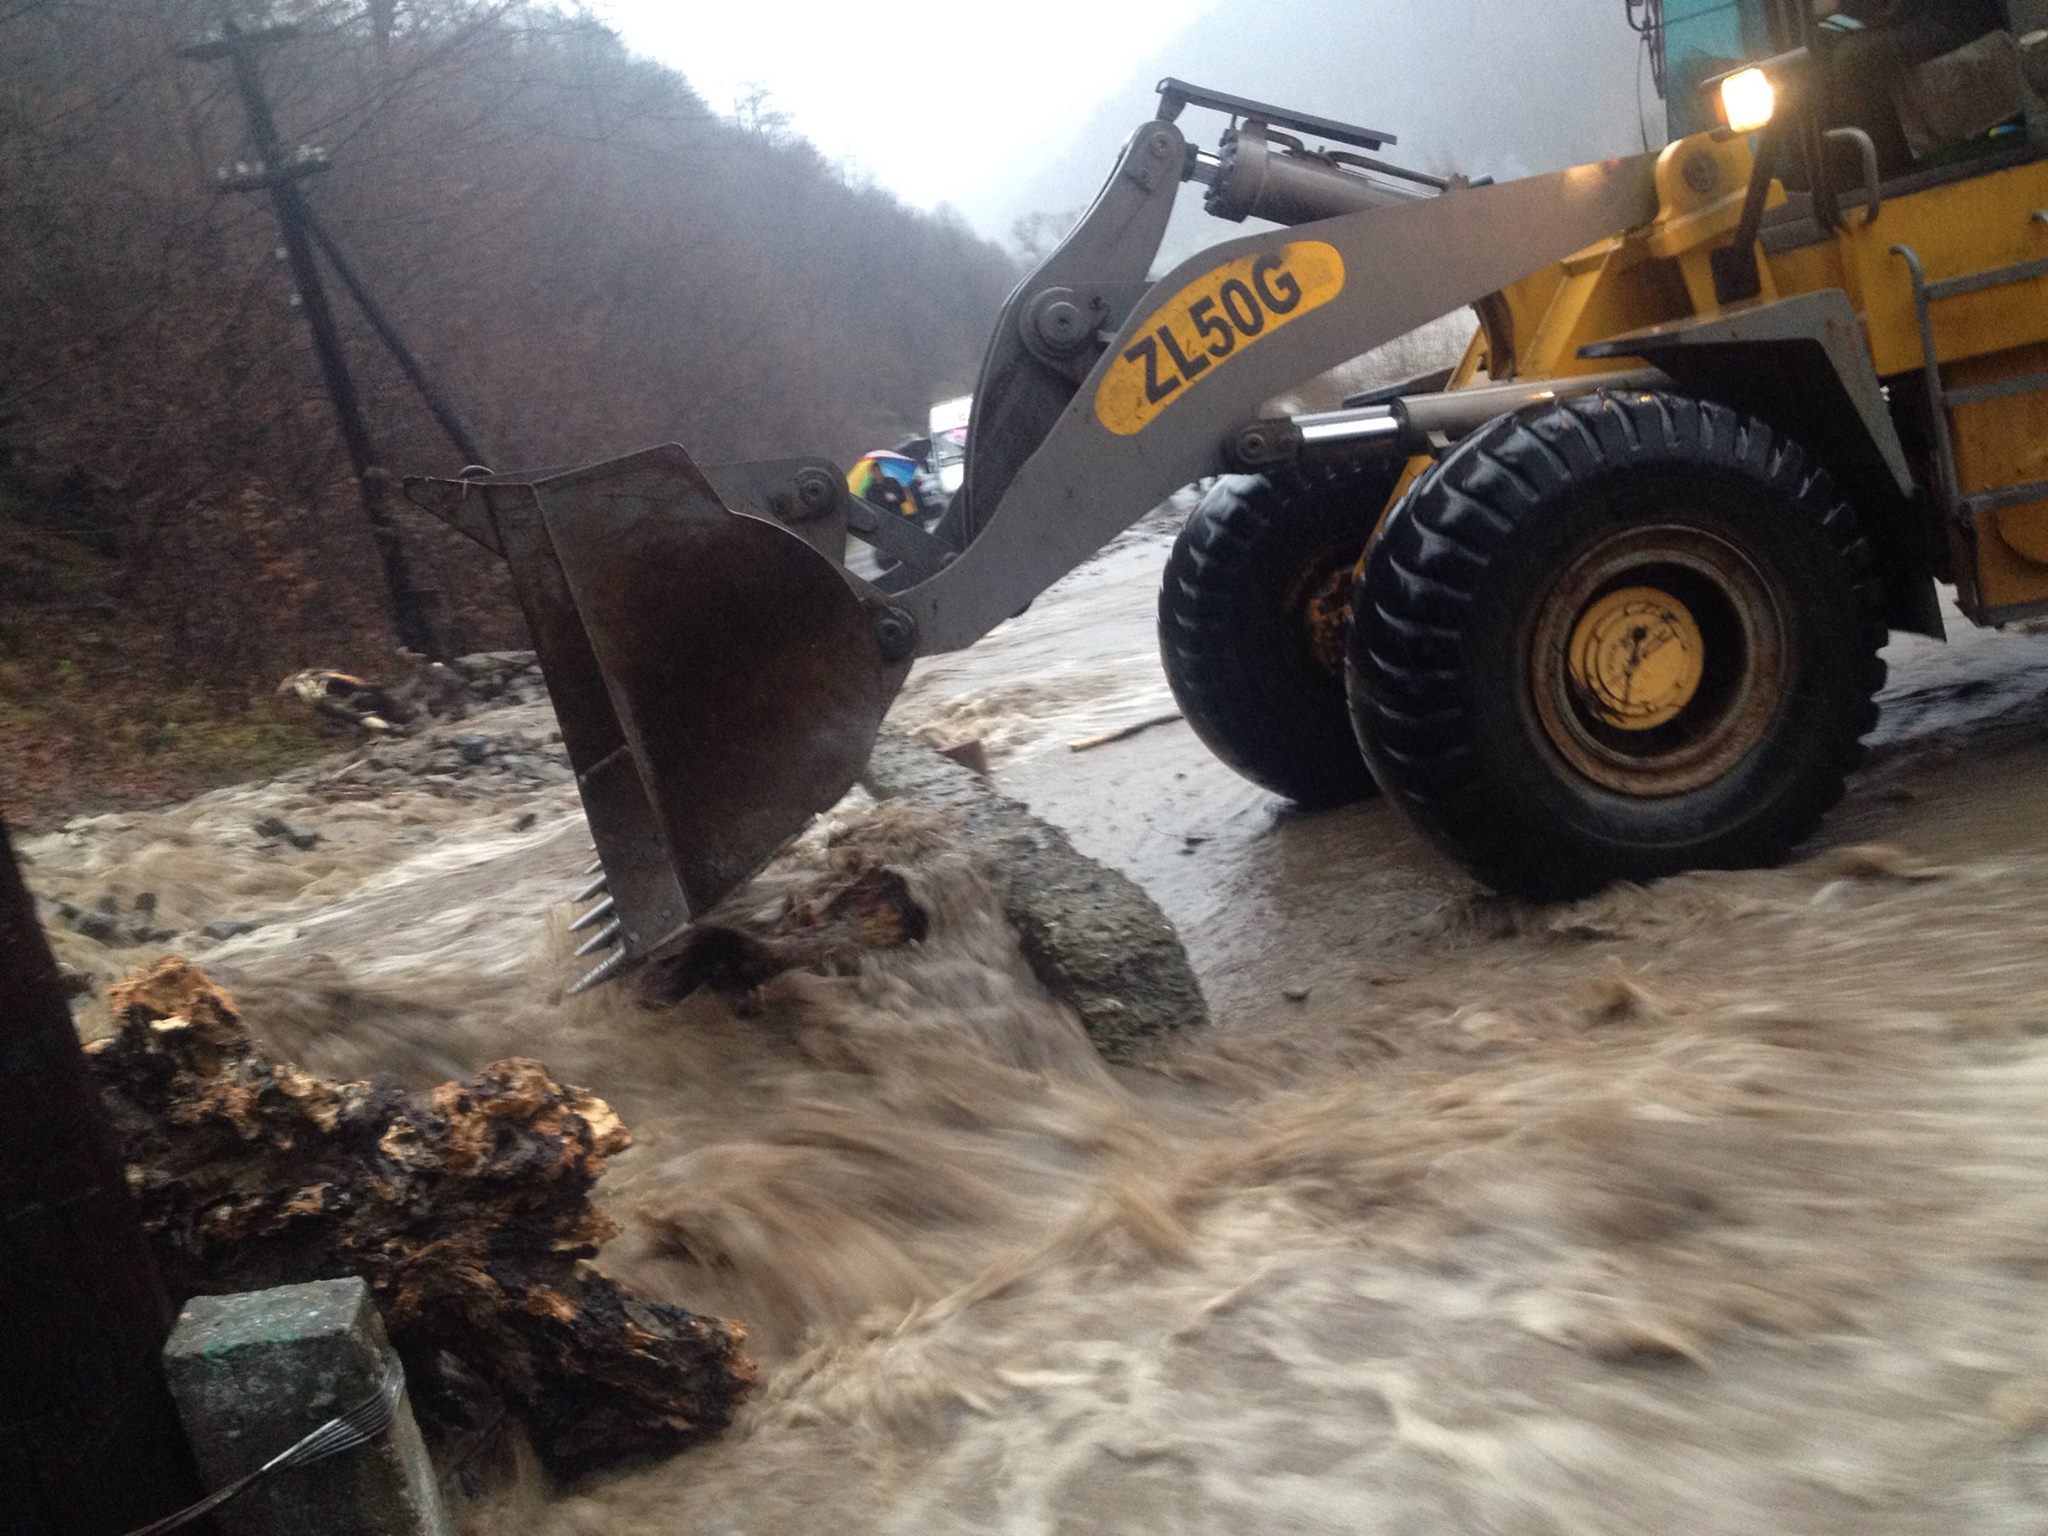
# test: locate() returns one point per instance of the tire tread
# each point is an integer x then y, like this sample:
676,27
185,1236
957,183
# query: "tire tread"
1410,697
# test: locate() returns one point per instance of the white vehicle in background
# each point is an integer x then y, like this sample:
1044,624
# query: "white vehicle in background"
948,432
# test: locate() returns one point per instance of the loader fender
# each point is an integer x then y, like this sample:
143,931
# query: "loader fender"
1801,365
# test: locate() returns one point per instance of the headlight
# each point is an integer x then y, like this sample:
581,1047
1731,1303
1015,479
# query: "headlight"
1747,100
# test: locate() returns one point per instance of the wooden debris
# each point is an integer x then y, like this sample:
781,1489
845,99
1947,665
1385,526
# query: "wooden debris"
1122,732
345,697
466,1208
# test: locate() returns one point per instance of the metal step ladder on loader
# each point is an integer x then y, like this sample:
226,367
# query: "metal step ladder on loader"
1962,511
720,675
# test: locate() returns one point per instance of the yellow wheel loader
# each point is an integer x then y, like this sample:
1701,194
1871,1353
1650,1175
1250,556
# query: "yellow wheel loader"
1605,602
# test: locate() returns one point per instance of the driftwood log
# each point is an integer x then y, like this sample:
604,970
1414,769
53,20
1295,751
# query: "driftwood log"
466,1208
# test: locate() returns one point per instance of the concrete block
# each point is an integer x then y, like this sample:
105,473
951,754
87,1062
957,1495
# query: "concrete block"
254,1372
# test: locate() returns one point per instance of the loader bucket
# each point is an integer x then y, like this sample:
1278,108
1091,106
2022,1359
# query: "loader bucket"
718,679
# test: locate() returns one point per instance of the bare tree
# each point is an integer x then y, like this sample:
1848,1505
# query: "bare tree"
589,256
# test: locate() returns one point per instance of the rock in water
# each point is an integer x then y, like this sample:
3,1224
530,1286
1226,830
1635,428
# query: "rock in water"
466,1208
95,925
278,827
1091,935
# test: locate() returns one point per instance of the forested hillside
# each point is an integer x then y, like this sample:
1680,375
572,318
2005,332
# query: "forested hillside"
589,258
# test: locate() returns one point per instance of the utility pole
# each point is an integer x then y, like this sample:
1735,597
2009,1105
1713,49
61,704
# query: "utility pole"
459,431
278,171
89,1440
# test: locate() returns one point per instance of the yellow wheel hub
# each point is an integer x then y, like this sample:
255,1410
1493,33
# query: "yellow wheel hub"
1637,658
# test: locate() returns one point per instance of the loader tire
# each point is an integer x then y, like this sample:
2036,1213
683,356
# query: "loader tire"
1615,638
1251,617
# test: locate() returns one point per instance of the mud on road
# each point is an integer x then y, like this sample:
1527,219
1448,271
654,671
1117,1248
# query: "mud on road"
1719,1206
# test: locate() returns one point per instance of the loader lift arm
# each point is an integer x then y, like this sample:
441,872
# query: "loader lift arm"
1374,275
724,673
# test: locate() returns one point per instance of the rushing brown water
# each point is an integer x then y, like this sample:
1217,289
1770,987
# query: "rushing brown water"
1721,1206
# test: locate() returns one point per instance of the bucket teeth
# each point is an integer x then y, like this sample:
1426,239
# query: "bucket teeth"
591,889
599,939
594,867
596,914
604,972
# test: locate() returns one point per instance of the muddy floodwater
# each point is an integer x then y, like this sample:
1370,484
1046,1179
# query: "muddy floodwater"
1720,1206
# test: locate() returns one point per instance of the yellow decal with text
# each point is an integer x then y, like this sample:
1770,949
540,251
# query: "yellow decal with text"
1217,316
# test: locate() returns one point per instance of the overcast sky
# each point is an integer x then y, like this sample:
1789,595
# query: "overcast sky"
930,98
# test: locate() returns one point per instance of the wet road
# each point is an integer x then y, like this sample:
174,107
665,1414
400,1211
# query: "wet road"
1267,895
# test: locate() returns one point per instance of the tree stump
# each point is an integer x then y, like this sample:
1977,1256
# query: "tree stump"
466,1208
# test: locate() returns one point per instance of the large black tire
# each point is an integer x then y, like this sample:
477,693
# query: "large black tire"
1495,733
1235,635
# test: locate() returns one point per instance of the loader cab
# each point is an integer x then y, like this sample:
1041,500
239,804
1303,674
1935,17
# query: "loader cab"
1930,82
1910,138
1862,102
